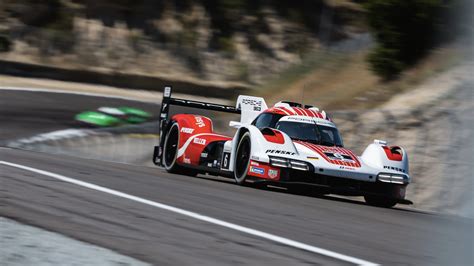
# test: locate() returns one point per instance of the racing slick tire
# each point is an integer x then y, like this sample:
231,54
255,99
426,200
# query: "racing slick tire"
242,159
170,152
379,201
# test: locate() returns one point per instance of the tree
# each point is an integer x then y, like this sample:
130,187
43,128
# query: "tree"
404,31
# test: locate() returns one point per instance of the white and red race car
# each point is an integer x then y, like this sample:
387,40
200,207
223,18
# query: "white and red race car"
286,144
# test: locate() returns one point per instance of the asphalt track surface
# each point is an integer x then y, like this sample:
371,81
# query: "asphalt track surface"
162,237
25,113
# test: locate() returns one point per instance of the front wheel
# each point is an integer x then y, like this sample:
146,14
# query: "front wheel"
242,159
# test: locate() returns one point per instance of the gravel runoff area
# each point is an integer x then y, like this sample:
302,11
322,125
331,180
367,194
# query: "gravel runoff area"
26,245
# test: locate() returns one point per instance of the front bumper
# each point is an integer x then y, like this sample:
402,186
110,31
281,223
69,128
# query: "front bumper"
310,170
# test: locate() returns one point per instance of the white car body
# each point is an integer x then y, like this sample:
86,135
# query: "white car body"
260,151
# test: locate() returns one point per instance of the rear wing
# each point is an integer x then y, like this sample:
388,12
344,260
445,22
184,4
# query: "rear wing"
163,118
248,107
167,101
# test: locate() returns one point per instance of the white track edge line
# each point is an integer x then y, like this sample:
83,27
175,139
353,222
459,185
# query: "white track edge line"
243,229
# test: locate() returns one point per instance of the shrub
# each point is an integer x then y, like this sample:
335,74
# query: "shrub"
5,44
406,30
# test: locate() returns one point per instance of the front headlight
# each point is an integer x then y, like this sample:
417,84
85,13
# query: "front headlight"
280,162
393,178
289,163
385,178
299,165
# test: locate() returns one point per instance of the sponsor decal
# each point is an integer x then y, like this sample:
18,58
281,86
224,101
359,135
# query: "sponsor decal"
280,152
199,141
186,160
257,104
253,157
324,123
204,155
167,92
225,160
254,163
273,173
394,168
339,156
199,121
301,119
257,170
346,167
312,158
187,130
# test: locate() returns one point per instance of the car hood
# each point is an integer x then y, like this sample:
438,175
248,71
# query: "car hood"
333,155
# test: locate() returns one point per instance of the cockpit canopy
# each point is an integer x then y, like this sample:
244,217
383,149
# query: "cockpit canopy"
309,129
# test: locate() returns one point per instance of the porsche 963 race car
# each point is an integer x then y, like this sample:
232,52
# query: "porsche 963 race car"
286,144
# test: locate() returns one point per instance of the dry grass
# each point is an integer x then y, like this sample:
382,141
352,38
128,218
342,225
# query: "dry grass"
345,81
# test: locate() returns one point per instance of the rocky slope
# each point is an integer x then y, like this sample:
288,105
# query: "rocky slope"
234,40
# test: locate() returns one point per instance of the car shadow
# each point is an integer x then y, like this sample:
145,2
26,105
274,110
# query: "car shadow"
272,187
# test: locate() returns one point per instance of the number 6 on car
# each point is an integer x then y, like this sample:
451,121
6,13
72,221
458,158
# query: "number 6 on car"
285,144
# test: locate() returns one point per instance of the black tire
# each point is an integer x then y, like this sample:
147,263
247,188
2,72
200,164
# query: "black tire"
380,201
170,152
242,159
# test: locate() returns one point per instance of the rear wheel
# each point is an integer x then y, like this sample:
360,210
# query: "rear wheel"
242,159
170,152
380,201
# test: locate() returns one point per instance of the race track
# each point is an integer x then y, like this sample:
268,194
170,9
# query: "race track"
354,232
25,113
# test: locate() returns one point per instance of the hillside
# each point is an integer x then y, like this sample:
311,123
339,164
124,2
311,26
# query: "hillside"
239,41
336,80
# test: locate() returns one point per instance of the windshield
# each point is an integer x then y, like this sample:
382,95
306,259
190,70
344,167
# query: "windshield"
266,120
317,134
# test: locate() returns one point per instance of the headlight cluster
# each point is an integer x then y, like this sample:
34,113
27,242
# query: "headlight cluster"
393,178
289,163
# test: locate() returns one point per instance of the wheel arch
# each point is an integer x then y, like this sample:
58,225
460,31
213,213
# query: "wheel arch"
235,141
260,144
379,156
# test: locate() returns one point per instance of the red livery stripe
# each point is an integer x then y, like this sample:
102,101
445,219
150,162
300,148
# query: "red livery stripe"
321,149
297,111
289,110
